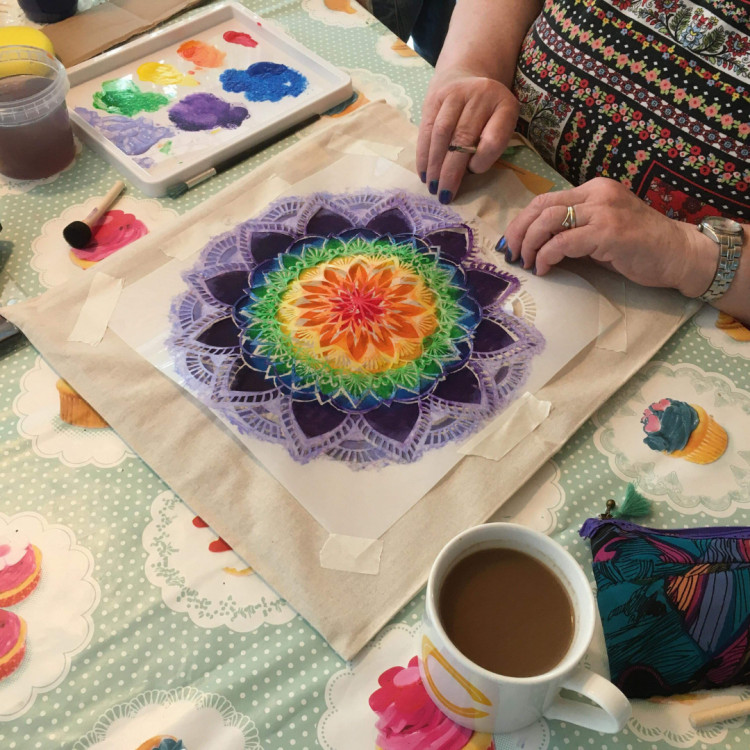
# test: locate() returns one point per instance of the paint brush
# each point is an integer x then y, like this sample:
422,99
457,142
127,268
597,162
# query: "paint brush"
701,719
180,188
78,233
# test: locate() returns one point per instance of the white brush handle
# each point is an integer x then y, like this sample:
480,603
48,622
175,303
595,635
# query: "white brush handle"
104,203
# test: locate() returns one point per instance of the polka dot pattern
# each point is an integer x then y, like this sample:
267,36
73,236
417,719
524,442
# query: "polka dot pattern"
274,677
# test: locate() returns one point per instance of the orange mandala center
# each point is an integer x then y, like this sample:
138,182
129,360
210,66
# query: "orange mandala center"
359,313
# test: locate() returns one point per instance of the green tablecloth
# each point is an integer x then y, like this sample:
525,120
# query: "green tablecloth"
145,624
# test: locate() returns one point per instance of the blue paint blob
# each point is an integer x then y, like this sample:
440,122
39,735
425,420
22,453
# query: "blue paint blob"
264,82
206,112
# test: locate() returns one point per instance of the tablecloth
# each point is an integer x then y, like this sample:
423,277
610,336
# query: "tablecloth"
146,625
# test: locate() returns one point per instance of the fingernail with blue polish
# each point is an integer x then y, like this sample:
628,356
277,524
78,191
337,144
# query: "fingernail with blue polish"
502,245
423,176
445,196
533,269
509,257
433,186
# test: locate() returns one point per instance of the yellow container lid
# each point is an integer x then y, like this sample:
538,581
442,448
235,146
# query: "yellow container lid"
25,35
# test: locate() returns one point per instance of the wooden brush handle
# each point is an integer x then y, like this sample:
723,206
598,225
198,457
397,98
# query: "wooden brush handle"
104,203
722,713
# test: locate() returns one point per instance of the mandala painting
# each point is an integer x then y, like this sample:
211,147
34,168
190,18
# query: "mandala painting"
365,327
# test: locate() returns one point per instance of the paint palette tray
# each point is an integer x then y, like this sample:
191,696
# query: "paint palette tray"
168,106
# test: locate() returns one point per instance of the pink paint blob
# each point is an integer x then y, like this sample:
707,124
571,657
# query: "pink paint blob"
115,230
240,37
201,54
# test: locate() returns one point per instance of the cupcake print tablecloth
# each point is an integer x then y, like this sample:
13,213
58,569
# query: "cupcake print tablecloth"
137,627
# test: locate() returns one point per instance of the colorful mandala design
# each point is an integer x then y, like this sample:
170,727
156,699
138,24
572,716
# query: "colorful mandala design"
364,327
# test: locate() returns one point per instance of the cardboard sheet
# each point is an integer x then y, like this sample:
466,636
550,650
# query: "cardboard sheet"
86,34
213,473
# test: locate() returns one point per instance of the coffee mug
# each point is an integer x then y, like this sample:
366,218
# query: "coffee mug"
484,701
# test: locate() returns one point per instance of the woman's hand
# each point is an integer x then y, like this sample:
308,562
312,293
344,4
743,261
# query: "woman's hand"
617,229
467,110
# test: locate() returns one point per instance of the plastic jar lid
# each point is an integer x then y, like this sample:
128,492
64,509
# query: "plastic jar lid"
20,60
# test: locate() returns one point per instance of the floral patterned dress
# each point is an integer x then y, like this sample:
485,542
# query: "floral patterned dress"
653,93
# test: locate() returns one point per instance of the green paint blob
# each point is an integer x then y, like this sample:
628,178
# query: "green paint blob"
122,97
166,148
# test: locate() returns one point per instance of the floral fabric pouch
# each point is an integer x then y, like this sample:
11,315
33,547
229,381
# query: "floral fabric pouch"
675,605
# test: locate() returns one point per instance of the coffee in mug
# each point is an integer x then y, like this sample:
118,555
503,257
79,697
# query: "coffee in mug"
527,638
509,615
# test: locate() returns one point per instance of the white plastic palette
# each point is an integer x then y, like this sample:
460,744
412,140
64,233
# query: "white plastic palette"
149,125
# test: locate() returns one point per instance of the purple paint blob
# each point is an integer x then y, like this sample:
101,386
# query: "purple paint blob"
133,136
264,82
206,112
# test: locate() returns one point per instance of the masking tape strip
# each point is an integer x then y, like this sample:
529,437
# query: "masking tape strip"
189,241
353,554
97,309
502,435
613,329
348,145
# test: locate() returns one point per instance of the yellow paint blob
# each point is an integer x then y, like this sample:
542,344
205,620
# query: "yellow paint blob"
164,74
341,6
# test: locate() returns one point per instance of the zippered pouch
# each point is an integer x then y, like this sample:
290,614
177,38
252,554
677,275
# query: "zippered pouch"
675,605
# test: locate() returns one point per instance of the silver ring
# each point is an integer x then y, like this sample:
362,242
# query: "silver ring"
462,149
569,222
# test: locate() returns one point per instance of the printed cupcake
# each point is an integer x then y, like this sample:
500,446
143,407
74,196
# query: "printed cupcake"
683,430
162,742
20,568
732,327
409,720
74,410
115,230
12,642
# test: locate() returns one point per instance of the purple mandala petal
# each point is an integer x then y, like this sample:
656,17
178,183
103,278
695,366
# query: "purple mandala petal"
229,287
392,221
325,223
267,245
221,334
395,422
316,419
453,243
487,287
247,380
492,337
364,328
461,386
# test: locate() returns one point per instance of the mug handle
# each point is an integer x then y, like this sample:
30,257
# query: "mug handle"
609,715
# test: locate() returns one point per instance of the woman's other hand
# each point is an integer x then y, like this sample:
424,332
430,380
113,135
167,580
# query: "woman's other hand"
467,110
617,229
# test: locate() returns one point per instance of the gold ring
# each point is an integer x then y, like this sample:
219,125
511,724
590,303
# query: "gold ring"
462,149
569,222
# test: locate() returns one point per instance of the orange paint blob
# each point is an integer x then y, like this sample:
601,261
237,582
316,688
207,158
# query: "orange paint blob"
201,54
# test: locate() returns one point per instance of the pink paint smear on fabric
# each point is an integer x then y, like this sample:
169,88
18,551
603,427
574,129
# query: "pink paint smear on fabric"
115,230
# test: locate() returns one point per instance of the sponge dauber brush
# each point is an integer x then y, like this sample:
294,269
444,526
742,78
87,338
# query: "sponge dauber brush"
78,233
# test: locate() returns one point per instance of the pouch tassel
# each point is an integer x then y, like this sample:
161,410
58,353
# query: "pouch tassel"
633,506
